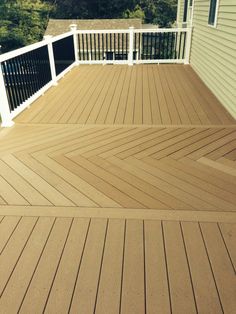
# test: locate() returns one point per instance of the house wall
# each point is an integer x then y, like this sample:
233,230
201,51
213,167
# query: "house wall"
213,50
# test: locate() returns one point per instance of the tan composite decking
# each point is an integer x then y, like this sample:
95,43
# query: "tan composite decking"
144,94
117,195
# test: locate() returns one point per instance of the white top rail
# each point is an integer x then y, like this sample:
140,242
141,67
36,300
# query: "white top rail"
42,43
62,36
161,30
126,31
103,31
20,51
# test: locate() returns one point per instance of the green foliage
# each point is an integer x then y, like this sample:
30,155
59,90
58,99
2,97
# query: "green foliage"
136,13
160,12
22,22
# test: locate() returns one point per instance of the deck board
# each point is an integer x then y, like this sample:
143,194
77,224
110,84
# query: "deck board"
127,167
150,261
142,94
117,194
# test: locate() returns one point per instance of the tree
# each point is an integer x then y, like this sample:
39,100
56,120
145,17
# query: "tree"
160,12
22,22
92,9
136,13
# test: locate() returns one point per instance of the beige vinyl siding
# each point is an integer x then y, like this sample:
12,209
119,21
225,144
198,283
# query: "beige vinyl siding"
213,50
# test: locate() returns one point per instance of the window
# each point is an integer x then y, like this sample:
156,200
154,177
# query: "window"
212,18
190,3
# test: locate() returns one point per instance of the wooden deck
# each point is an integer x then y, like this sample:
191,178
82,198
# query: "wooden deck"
119,216
144,94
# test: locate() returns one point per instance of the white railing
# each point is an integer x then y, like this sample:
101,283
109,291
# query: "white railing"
131,46
26,73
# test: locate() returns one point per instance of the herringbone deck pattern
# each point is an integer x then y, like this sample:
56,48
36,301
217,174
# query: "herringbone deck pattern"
125,213
128,167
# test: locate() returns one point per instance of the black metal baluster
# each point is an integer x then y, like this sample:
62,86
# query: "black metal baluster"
147,47
152,54
183,53
47,65
19,78
167,45
114,37
95,46
34,71
64,53
107,46
144,46
83,46
135,46
79,46
87,47
90,48
155,46
99,48
33,60
110,42
16,79
8,85
159,46
38,58
163,45
103,46
46,69
176,38
122,46
29,62
126,46
180,42
31,72
14,83
139,46
118,46
26,74
172,44
150,46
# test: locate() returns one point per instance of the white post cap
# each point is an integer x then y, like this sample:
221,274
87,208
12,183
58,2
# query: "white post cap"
47,37
73,27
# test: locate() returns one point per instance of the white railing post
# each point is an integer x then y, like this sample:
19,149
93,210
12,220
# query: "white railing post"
47,38
188,45
4,104
131,45
73,28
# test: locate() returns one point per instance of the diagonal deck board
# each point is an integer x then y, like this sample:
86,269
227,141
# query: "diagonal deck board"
117,186
129,167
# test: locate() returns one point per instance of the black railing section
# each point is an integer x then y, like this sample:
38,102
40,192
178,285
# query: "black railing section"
97,47
64,53
26,74
160,46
